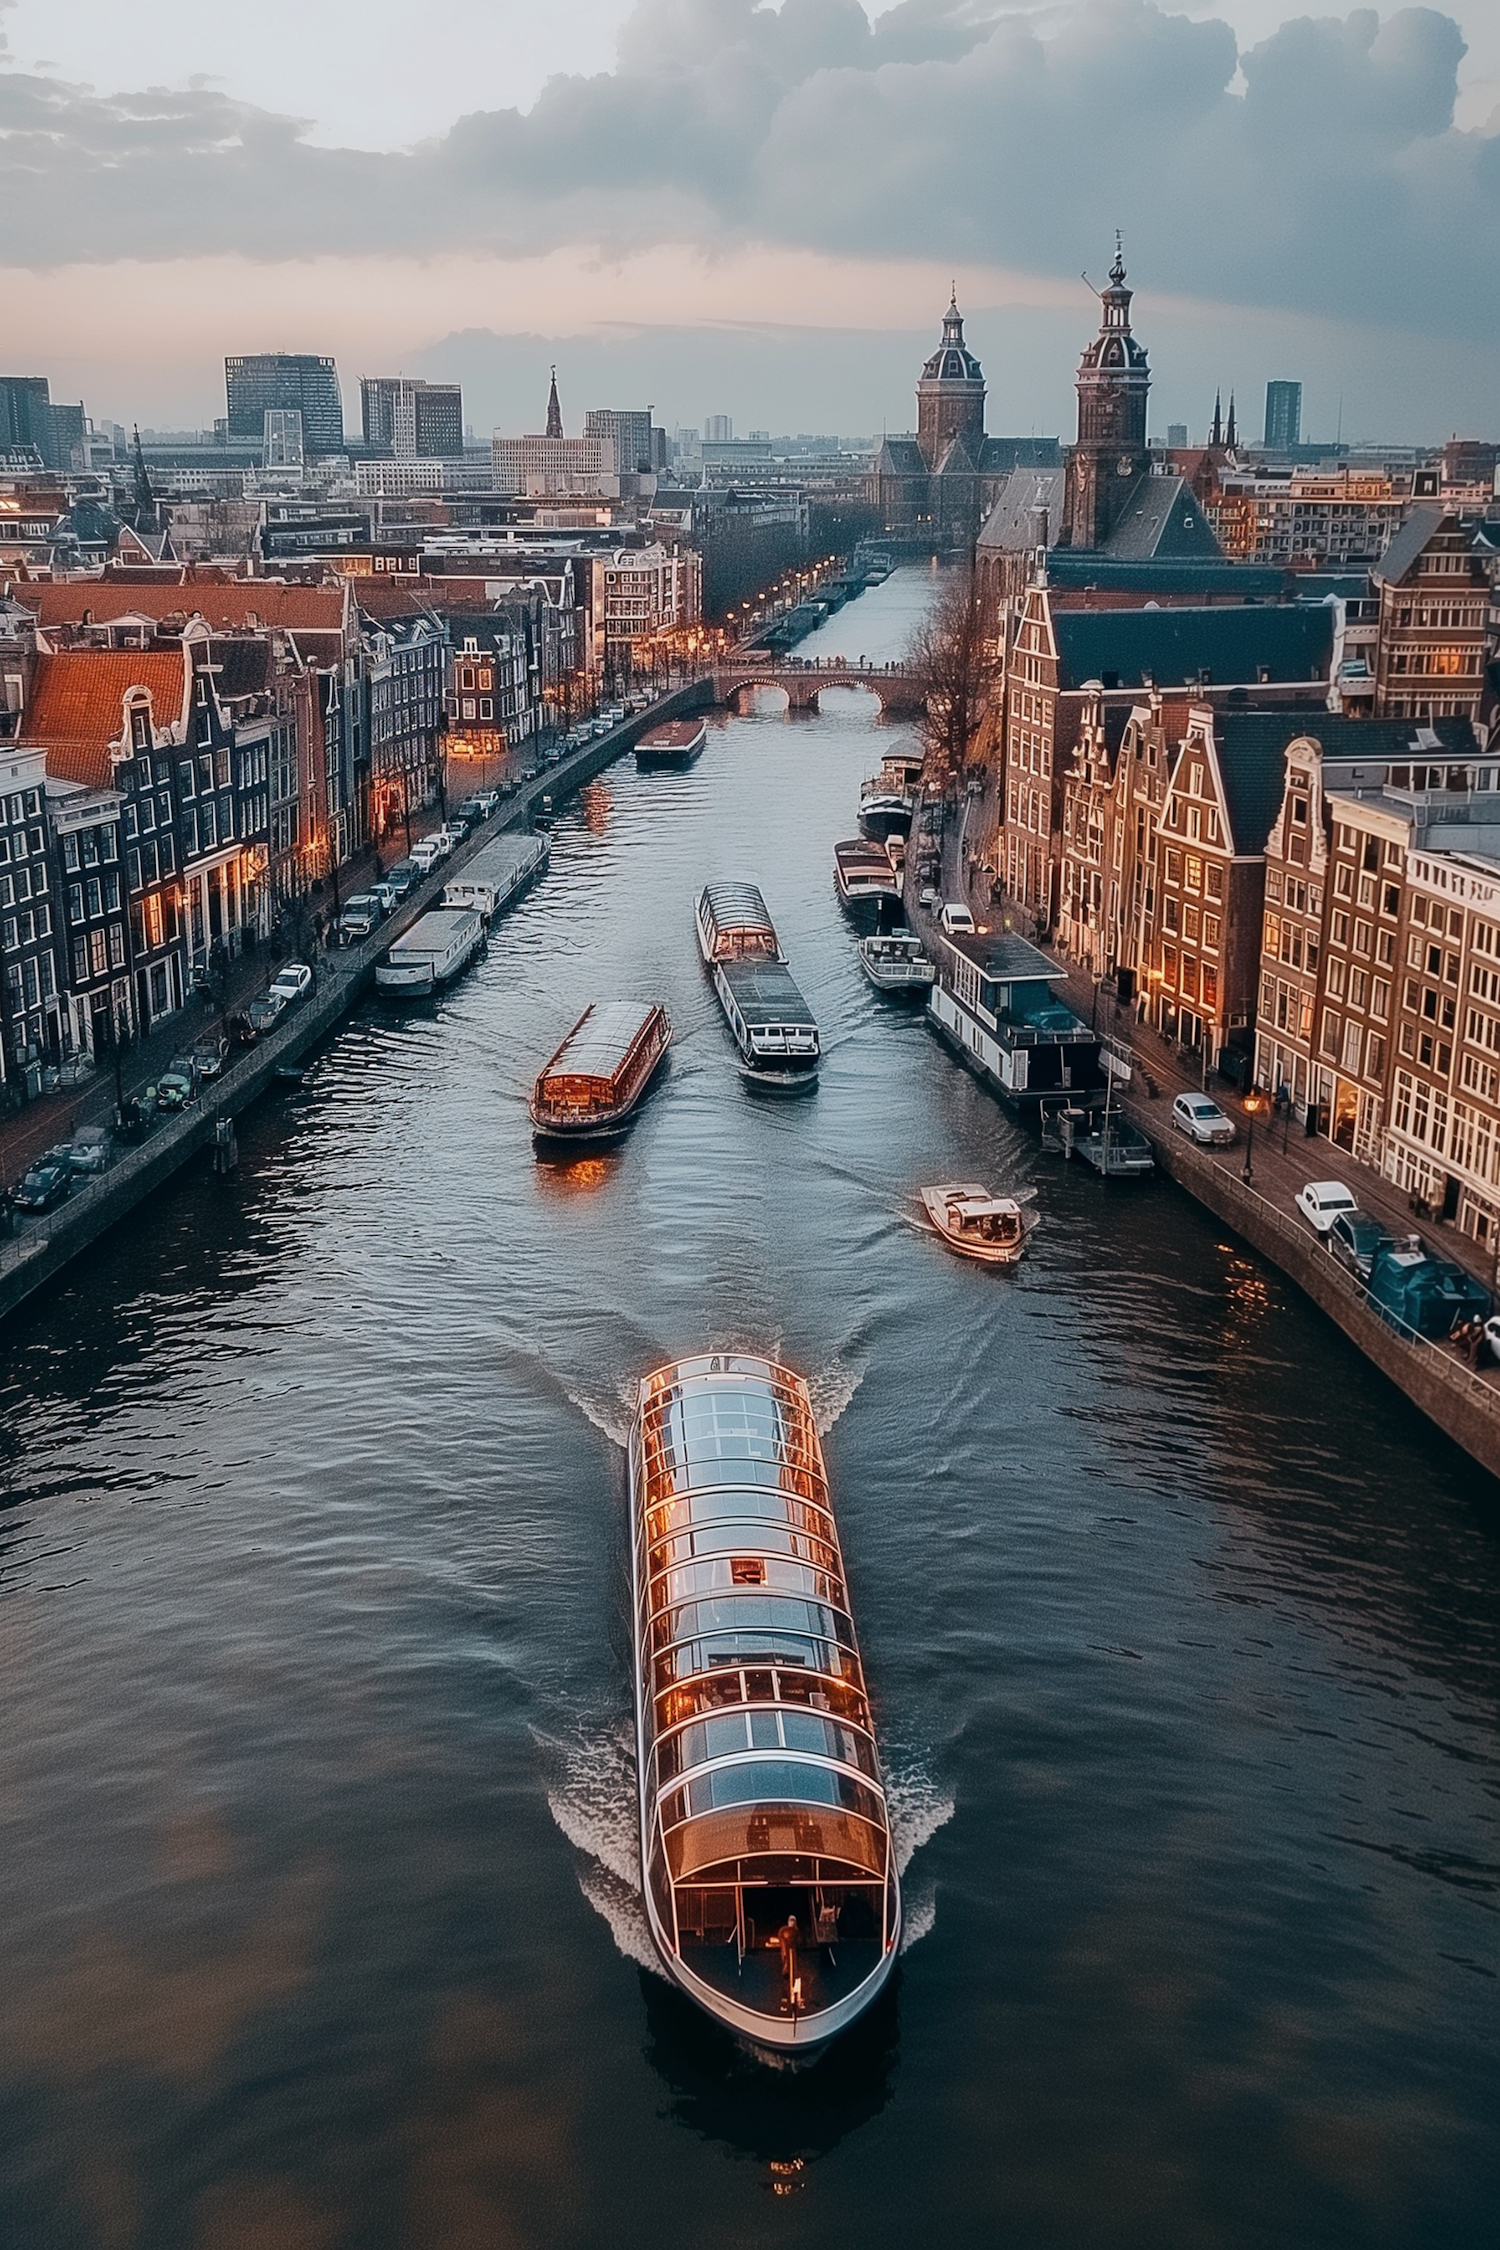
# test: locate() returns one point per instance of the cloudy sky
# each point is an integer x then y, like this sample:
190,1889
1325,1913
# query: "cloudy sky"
723,207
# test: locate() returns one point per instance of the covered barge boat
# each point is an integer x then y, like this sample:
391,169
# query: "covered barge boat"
768,1868
678,743
435,950
589,1090
773,1026
497,876
866,881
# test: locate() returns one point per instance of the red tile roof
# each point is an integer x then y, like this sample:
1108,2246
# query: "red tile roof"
228,607
77,705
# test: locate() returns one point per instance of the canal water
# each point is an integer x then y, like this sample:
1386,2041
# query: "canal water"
318,1925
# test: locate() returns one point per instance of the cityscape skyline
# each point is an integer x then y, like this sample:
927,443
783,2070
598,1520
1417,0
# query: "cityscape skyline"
265,227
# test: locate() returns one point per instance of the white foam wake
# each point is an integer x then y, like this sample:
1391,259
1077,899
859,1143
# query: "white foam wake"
832,1387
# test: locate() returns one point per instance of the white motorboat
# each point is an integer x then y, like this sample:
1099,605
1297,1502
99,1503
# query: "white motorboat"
896,964
994,1229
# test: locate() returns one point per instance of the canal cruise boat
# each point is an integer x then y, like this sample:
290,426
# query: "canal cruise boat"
590,1089
773,1026
994,1005
768,1867
866,881
678,743
990,1228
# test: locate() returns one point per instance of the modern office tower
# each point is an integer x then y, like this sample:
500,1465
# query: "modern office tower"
282,442
258,383
1177,436
1283,417
718,429
417,420
28,418
630,429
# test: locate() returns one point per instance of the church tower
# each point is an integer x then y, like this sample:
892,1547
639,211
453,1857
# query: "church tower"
950,395
1110,457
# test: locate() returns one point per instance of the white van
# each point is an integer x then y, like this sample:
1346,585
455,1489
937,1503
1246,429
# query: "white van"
956,919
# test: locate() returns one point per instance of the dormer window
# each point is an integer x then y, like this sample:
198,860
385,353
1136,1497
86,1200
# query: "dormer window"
140,727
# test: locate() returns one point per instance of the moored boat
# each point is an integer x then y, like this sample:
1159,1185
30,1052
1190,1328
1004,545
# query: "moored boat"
768,1867
497,876
895,963
887,799
865,880
590,1089
773,1026
991,1228
677,743
431,953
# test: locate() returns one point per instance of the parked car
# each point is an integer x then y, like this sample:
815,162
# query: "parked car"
1323,1201
1202,1121
291,984
211,1053
262,1014
242,1032
426,854
455,828
927,897
87,1154
956,918
471,810
363,914
45,1186
403,878
1356,1239
177,1085
135,1115
386,896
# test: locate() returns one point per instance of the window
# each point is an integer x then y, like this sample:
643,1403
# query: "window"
1374,1055
1390,899
70,852
1330,1033
1211,932
1343,882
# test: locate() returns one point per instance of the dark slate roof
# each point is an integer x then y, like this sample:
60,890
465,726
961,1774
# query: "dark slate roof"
1176,647
1002,455
245,666
900,457
1010,522
1163,516
1407,543
1172,574
1252,749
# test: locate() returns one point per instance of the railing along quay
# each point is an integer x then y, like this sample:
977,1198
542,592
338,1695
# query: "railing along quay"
50,1243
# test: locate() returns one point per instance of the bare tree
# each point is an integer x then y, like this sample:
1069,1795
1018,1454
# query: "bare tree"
951,655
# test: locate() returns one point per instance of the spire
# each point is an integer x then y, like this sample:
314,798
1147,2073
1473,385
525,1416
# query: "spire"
554,410
1216,434
1117,270
145,498
1230,439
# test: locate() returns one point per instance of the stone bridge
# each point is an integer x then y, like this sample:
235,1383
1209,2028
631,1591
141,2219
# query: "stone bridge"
803,683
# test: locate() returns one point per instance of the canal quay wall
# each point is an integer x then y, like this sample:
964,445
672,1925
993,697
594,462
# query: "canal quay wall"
49,1243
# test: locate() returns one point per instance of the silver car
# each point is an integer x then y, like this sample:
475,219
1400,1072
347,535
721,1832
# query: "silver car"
1202,1120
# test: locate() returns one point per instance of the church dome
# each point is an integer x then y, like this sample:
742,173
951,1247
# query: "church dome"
953,362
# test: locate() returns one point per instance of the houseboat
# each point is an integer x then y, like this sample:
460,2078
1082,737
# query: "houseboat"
768,1868
994,1006
431,953
888,799
773,1026
589,1090
894,962
867,883
678,743
497,876
993,1229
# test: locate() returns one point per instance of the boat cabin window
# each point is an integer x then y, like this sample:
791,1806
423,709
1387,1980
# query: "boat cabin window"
719,1689
762,1727
747,1570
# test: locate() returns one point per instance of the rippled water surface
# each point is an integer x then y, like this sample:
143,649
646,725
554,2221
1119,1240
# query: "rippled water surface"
318,1927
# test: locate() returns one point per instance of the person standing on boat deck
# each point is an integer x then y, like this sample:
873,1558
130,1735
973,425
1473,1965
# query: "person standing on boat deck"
789,1937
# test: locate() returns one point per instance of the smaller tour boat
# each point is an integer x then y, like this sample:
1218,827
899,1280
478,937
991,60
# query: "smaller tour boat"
679,743
431,953
865,879
589,1090
895,964
992,1228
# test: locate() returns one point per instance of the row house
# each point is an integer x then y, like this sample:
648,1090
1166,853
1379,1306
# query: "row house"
1065,655
1442,1144
406,671
492,697
648,592
32,993
1434,636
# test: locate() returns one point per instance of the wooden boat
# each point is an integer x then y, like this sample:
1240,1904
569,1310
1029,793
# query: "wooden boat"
773,1026
888,799
865,879
590,1089
895,964
992,1228
678,743
431,953
760,1789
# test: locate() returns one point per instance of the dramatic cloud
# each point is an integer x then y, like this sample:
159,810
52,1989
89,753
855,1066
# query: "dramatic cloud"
1318,170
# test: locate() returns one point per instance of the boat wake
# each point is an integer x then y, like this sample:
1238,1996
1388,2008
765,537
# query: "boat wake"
831,1388
593,1801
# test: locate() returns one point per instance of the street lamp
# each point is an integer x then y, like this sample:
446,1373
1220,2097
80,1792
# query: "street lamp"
1253,1103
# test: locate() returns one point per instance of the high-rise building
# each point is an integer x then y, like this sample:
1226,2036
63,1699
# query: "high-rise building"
418,421
1177,436
28,418
718,429
629,427
1283,417
257,384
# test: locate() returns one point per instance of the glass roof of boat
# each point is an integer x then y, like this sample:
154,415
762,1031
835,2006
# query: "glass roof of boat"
599,1042
737,906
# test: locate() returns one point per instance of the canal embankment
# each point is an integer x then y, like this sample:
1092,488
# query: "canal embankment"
44,1246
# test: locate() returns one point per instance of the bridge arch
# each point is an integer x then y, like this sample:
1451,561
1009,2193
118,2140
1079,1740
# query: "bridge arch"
897,693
